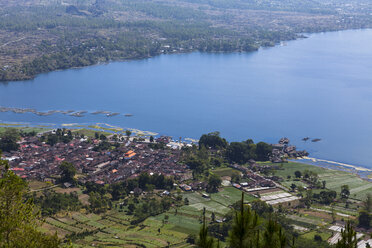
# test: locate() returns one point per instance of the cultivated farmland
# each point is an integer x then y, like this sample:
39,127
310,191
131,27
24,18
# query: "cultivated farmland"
359,188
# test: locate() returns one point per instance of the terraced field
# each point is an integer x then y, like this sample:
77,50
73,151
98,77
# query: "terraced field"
114,229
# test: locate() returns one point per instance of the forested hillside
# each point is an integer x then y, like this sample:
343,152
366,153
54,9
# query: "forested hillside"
38,36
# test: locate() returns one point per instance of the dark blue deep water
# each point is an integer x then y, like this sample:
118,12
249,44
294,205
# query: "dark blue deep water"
319,87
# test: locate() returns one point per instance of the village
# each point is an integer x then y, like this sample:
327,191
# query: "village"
39,160
106,160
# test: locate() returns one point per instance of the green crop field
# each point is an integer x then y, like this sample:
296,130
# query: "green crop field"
113,228
323,233
288,183
225,171
359,188
4,126
218,202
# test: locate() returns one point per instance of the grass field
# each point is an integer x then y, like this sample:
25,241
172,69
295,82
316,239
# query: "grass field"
4,126
322,233
226,171
89,133
359,188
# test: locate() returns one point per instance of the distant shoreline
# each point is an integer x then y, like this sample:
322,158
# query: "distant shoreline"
297,36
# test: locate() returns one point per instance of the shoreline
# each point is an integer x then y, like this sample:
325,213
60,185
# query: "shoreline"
364,173
297,36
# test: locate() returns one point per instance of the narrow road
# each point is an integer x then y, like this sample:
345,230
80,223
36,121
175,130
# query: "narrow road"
36,190
3,45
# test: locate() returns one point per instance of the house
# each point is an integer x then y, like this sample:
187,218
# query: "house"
67,185
205,195
129,154
235,185
166,193
185,187
244,184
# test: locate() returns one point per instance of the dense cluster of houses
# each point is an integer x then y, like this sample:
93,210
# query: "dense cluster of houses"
38,160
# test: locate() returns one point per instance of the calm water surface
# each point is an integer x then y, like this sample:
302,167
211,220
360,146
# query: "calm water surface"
319,87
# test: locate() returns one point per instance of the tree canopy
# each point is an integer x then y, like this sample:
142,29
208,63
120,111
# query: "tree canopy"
8,140
18,217
68,172
212,140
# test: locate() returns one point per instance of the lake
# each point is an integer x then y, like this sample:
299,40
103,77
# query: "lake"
320,87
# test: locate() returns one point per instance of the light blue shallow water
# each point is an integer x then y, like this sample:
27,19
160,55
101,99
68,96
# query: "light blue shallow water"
319,87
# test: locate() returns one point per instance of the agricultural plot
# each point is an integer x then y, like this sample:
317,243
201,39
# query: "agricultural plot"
89,132
218,202
359,188
323,233
288,183
225,171
4,127
37,185
180,222
113,229
306,220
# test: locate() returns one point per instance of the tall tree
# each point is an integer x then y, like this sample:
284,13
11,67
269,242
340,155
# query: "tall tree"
345,191
128,133
205,241
8,140
368,203
68,172
365,215
274,236
365,219
324,183
298,174
212,140
214,181
244,228
348,237
263,151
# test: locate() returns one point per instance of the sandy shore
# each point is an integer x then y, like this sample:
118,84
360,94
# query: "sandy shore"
357,168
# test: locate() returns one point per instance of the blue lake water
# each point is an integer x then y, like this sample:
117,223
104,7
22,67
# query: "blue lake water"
319,87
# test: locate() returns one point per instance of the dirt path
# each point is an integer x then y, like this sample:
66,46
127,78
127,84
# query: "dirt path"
3,45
